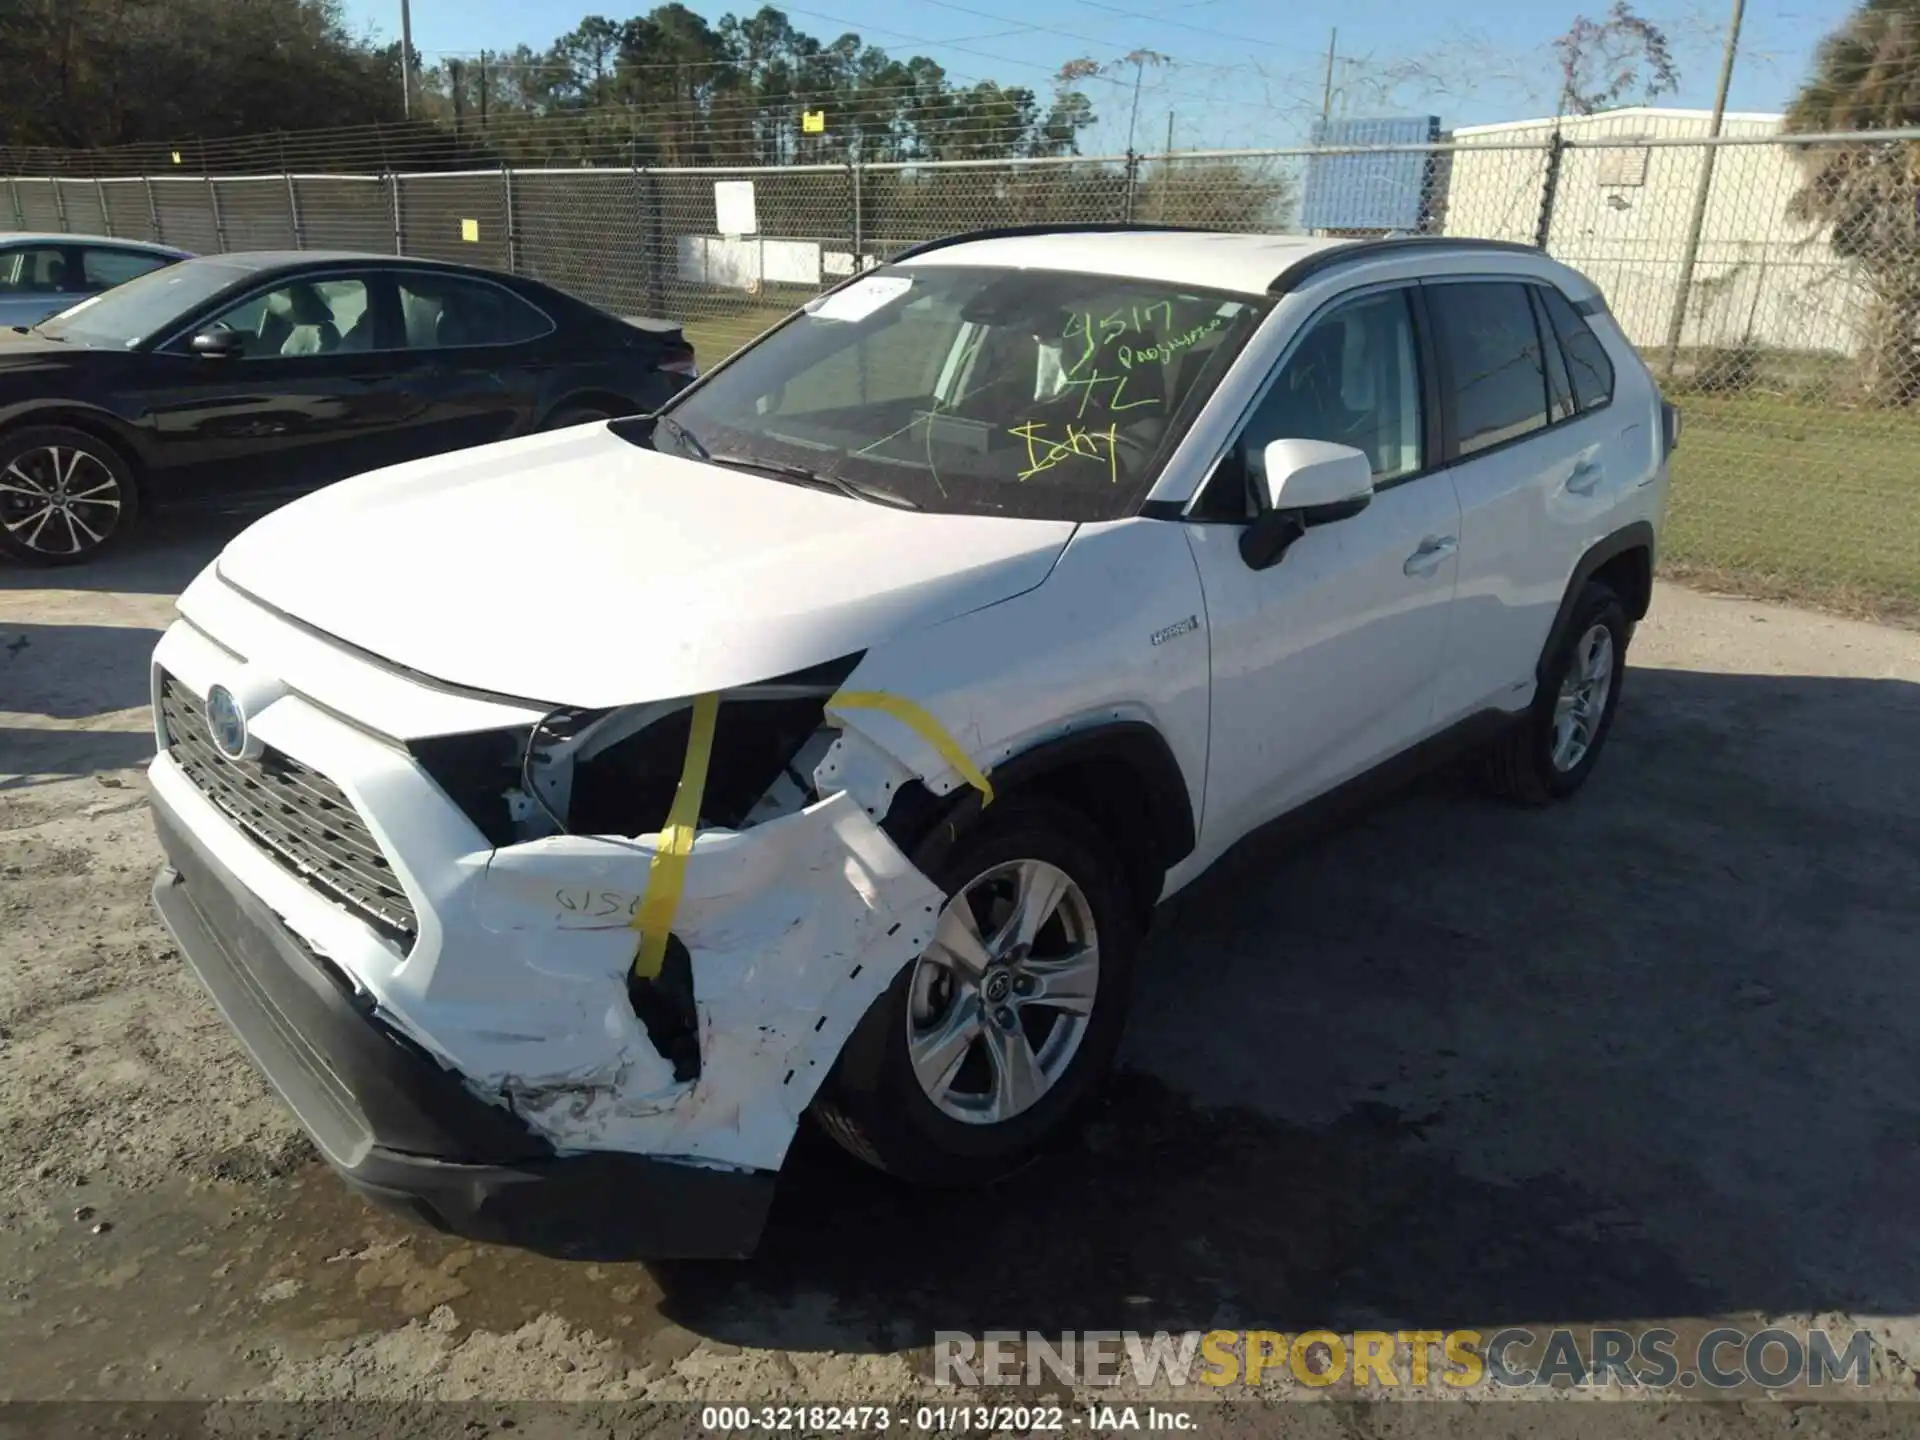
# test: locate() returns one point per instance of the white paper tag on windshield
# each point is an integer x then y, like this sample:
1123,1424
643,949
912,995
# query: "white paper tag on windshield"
860,299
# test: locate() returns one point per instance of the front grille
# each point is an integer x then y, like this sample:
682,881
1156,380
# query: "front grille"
296,814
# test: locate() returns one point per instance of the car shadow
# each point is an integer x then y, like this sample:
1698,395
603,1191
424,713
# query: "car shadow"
159,558
74,672
1651,1053
32,757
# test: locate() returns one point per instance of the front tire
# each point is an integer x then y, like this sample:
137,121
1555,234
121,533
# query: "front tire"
65,495
984,1049
1550,753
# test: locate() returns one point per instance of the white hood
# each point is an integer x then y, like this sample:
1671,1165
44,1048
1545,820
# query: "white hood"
578,569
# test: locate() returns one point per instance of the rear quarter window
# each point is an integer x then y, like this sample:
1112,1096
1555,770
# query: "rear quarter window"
1587,363
103,269
445,312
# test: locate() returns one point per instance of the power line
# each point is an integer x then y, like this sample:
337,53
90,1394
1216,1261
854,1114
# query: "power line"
1041,29
1210,97
1177,24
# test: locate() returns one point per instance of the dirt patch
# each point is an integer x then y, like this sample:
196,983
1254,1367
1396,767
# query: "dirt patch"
117,1064
19,814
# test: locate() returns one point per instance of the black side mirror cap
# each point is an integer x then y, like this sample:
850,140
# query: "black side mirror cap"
218,344
1265,542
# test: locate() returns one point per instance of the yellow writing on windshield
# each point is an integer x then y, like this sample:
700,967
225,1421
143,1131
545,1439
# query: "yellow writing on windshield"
1167,349
1095,335
1135,337
1089,389
1080,443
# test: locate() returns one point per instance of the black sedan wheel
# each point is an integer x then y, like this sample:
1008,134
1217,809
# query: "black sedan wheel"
65,495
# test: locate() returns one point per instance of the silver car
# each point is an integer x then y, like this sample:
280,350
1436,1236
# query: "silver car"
41,275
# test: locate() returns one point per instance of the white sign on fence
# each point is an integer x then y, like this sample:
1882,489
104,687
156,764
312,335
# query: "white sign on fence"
733,208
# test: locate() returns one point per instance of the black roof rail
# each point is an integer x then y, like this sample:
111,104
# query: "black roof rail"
1014,232
1310,265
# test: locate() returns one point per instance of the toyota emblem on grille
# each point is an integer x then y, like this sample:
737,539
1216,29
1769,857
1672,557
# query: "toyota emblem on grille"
226,723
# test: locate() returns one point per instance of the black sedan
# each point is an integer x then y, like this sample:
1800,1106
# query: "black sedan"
254,375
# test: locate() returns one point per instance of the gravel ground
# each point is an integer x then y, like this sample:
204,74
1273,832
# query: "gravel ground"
1645,1058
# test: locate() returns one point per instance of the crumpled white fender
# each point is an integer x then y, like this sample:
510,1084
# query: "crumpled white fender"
794,927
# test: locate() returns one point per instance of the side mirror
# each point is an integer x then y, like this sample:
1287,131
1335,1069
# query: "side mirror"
1307,483
218,344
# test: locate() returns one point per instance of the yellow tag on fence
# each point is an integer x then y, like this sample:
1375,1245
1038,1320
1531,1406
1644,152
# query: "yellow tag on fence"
813,122
470,231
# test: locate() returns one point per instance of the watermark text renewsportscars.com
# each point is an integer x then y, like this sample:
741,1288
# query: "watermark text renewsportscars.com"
1712,1360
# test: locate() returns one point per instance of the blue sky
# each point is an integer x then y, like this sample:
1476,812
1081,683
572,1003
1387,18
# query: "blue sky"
1242,73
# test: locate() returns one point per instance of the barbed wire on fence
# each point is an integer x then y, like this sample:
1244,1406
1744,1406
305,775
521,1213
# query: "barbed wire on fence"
1795,307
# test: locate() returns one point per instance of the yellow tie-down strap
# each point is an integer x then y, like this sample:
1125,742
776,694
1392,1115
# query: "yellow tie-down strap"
916,719
667,873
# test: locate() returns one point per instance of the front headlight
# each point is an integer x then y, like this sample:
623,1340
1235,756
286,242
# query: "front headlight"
615,772
478,772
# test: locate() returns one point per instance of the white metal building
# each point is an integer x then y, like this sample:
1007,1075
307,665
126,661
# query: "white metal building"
1620,214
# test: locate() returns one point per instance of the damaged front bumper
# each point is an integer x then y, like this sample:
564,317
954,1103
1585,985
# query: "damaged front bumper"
486,1065
404,1132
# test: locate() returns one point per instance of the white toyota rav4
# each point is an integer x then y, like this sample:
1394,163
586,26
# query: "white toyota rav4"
558,821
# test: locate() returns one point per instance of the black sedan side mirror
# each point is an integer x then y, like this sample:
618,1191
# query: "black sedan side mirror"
218,344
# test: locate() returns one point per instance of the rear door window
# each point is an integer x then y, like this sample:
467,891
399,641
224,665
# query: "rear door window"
33,270
1493,360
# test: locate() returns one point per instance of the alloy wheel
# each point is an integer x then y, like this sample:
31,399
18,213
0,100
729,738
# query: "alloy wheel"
59,500
1583,698
1000,1001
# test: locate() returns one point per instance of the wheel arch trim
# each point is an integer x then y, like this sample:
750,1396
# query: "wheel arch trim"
102,424
1637,536
920,822
588,397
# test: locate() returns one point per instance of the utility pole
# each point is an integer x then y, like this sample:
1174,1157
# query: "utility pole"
406,58
1326,91
1169,134
1696,222
483,92
1133,116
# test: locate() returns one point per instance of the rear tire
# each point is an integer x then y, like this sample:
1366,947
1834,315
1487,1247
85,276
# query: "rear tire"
960,1075
1550,753
65,495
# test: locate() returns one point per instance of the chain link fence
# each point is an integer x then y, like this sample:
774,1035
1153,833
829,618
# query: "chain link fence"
1773,283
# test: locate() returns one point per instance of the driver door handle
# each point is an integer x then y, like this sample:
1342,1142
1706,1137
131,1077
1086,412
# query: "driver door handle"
1432,553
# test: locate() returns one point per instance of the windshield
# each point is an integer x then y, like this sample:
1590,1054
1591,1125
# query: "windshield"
146,305
976,391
